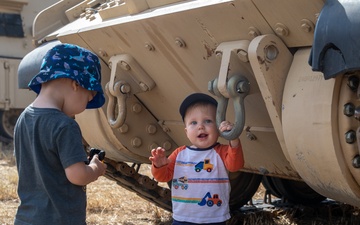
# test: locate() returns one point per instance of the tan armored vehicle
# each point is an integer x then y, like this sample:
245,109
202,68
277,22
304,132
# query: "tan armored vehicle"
16,20
286,72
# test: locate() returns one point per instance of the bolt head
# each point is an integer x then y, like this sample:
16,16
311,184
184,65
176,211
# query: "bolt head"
124,128
353,83
349,109
350,137
356,161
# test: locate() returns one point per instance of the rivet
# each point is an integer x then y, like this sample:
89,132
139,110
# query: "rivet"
136,142
243,55
357,113
350,137
124,128
349,109
153,146
149,47
307,25
180,43
166,145
356,161
124,65
242,86
125,88
218,54
353,83
136,108
250,136
103,53
163,126
263,171
151,129
271,52
143,86
281,29
165,129
253,32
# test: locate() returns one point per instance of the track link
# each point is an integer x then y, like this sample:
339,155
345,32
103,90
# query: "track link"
129,178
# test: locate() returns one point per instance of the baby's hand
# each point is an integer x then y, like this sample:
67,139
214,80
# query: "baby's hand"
225,126
158,157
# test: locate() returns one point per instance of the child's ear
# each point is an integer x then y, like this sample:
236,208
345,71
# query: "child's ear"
74,85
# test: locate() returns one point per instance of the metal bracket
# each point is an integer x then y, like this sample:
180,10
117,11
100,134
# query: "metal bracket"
230,51
123,67
236,87
271,60
119,92
119,86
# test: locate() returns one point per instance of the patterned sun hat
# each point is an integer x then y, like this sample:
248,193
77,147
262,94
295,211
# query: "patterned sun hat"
74,62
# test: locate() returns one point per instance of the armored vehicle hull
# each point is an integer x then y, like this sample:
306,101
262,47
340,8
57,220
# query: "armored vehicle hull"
286,72
16,19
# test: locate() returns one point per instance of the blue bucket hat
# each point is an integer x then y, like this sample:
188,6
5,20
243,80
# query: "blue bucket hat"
76,63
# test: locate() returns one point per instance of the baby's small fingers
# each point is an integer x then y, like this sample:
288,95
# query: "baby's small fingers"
225,128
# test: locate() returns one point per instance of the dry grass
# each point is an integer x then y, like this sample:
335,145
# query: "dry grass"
110,204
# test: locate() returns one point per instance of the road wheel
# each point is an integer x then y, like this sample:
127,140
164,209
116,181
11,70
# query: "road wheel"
8,120
297,192
243,187
270,187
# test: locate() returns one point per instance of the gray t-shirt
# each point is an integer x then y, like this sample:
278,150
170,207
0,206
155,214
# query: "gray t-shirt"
46,142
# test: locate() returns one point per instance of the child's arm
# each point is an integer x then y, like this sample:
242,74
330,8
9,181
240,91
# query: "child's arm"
163,167
158,157
159,167
82,174
233,157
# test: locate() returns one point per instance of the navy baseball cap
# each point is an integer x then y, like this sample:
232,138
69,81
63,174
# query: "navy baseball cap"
195,98
73,62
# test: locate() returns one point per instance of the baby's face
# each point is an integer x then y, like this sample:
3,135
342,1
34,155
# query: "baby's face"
200,125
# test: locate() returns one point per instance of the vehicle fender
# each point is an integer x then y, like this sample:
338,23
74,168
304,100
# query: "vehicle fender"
336,38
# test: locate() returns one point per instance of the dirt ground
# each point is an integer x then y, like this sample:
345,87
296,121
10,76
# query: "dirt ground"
110,204
107,203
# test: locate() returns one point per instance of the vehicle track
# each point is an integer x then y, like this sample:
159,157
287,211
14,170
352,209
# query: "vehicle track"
259,211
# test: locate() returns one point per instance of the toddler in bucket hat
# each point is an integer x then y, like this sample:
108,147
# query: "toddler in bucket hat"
73,62
48,141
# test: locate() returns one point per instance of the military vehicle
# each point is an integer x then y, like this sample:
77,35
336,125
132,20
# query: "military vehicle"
16,19
285,72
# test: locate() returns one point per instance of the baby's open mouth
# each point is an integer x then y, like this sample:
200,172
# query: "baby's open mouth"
202,135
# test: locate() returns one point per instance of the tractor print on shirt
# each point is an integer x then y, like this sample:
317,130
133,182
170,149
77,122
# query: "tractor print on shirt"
204,165
210,200
181,182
